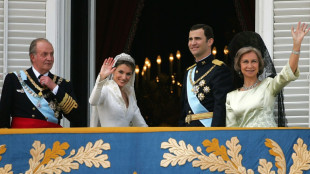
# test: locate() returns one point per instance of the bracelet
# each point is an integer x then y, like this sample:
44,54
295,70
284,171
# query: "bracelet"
295,52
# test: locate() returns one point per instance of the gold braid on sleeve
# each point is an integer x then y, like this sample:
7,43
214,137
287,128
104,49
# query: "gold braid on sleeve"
67,104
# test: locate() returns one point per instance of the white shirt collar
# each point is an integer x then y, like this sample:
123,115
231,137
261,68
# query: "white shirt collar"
37,73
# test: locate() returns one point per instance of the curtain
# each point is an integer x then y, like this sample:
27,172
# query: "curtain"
245,10
116,22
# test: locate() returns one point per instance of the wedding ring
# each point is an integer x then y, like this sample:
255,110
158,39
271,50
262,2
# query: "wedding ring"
106,63
42,83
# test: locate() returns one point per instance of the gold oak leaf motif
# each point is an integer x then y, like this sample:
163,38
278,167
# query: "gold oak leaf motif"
215,148
219,159
89,155
265,167
180,153
2,150
58,150
37,155
301,158
7,168
276,151
53,161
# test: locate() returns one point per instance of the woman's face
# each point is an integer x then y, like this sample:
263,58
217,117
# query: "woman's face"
122,75
249,65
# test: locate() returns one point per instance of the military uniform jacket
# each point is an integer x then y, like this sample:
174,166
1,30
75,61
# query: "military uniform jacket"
211,93
15,103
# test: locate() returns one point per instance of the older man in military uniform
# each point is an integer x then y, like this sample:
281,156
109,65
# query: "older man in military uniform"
36,98
206,83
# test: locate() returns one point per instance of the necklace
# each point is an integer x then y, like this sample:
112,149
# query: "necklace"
250,87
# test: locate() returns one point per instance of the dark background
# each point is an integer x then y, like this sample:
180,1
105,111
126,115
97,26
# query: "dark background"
164,27
148,28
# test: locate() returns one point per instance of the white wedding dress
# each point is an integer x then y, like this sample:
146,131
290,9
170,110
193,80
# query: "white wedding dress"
109,108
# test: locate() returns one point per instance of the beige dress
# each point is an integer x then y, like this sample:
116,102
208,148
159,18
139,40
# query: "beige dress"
255,107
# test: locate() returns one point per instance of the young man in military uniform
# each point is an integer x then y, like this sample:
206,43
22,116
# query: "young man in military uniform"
206,83
35,98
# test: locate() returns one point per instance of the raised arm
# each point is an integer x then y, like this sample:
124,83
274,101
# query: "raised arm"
105,71
298,36
106,68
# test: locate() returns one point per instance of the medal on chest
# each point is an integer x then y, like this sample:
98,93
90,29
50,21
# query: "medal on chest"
200,83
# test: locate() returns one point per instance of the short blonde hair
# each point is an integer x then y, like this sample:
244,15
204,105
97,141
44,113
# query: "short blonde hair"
245,50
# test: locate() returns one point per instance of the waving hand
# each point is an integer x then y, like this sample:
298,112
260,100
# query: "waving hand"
106,68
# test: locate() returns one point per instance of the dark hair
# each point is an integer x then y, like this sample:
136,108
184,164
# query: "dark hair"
128,63
245,50
208,31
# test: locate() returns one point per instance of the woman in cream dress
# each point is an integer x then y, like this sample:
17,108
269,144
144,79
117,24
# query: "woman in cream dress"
252,105
113,98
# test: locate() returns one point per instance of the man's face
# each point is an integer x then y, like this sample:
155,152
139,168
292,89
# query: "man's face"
198,44
43,59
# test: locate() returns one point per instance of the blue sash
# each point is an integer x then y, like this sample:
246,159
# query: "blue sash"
194,103
38,101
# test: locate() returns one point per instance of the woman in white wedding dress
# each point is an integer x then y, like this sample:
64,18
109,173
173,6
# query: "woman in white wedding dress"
113,98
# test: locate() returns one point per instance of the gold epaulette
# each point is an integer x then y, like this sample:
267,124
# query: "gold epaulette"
191,67
218,62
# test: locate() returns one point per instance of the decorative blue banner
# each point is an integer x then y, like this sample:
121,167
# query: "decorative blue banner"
155,150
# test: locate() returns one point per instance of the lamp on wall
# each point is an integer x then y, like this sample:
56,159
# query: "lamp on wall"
178,55
158,60
137,70
147,63
226,51
214,52
171,58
